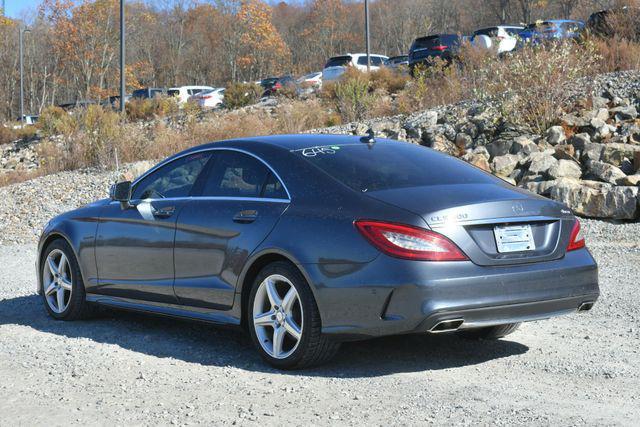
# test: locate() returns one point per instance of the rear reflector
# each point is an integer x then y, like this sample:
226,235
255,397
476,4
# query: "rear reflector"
408,242
576,241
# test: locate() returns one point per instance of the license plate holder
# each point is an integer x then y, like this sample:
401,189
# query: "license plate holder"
514,238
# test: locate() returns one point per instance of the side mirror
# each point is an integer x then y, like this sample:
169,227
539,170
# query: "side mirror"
121,192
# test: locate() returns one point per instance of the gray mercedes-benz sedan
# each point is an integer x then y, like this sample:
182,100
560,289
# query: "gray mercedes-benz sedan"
309,240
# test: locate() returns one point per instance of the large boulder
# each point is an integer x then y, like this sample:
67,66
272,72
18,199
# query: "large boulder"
604,172
556,135
596,199
523,145
540,163
615,153
624,113
630,180
415,125
504,165
542,188
565,169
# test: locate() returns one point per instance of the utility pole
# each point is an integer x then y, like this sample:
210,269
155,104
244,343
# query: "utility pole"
22,31
366,30
123,88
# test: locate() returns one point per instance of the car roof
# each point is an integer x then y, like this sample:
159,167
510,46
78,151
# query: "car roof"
284,142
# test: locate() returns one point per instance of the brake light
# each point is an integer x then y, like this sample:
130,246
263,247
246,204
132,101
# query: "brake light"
408,242
576,241
441,48
278,85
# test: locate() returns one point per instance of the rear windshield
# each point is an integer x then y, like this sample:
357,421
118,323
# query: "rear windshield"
513,31
389,165
491,32
174,92
338,61
375,60
430,42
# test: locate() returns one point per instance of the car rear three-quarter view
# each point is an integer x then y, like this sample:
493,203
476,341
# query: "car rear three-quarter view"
310,240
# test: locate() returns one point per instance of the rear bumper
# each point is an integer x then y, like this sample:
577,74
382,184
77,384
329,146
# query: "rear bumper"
390,296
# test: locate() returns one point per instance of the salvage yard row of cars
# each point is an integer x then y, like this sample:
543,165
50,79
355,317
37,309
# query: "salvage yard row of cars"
501,39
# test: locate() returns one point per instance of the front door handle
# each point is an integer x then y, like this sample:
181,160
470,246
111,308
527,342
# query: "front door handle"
246,216
165,212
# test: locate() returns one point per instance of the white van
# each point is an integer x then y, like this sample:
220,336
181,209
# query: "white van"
184,92
337,65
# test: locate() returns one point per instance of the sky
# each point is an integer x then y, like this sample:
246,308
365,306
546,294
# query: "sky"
16,8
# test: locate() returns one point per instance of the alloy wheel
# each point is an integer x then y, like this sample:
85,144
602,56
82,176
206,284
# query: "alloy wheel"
277,316
57,281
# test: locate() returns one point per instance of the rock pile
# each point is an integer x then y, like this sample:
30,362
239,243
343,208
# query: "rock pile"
590,161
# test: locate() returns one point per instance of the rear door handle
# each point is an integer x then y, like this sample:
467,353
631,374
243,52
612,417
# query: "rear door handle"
165,212
246,216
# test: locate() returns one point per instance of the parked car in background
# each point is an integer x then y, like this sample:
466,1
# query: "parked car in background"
313,80
209,98
424,50
555,29
398,61
624,21
503,37
27,120
337,65
183,93
274,85
69,106
114,101
148,92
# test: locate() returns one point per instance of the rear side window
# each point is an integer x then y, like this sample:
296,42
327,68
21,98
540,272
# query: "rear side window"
338,61
174,179
388,165
236,174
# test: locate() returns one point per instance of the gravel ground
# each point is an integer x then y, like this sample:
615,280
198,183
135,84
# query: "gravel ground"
128,369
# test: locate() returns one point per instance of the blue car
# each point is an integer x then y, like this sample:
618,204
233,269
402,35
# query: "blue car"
555,29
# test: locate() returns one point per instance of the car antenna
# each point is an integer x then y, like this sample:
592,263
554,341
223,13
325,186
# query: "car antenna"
369,138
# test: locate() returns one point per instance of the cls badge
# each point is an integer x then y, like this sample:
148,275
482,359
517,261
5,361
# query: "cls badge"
517,208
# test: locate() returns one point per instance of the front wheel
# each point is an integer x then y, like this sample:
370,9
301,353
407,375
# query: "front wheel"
62,287
490,332
284,321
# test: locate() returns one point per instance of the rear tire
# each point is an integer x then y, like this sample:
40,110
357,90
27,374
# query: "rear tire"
63,291
490,332
284,321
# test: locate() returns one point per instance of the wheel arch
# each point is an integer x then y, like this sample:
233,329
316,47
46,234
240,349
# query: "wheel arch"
253,268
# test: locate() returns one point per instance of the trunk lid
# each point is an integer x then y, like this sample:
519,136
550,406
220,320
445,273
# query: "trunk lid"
469,214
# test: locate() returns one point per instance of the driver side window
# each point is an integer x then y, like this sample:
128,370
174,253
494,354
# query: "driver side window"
174,179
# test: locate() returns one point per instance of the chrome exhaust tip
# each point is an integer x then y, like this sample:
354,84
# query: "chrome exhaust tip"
586,306
447,326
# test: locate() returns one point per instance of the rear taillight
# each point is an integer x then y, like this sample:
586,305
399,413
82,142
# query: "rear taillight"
576,241
441,48
207,97
408,242
277,86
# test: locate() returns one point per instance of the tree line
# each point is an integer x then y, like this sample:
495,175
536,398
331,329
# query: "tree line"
72,49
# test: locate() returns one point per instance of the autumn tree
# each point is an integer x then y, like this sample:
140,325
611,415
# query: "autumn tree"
262,50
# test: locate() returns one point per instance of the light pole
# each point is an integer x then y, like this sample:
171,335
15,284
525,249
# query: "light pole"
366,31
122,59
22,31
